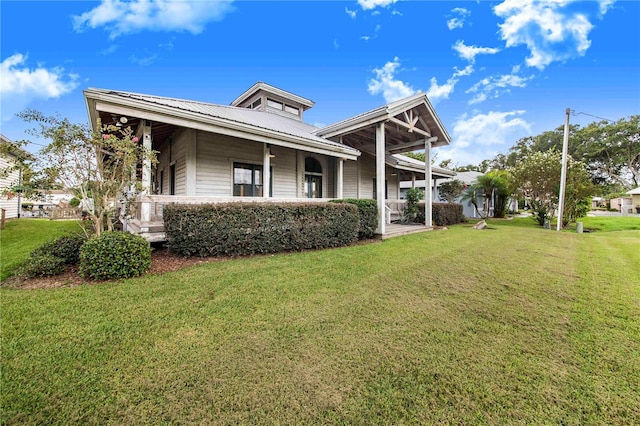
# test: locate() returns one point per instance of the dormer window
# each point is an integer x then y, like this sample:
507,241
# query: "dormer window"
264,97
274,104
291,109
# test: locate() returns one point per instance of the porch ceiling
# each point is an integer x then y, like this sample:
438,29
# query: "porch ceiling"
160,132
408,126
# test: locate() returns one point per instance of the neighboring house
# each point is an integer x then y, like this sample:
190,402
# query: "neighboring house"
621,204
467,178
635,199
260,149
9,178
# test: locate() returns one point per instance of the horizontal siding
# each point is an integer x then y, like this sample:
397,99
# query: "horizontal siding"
284,172
215,157
350,179
178,154
367,173
9,205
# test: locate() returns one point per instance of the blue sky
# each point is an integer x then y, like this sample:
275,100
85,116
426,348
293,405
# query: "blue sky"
495,71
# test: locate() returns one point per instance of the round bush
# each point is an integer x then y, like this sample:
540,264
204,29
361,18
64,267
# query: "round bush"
115,255
74,202
66,248
41,265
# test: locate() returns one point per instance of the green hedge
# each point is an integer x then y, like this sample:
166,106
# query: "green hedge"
234,229
443,214
115,254
368,212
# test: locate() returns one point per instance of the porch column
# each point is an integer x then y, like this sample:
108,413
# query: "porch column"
413,180
266,171
380,184
340,173
427,183
145,208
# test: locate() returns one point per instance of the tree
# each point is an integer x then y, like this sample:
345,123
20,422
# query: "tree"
450,190
537,179
29,184
611,151
101,166
499,181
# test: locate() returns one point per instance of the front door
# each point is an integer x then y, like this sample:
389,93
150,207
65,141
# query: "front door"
313,186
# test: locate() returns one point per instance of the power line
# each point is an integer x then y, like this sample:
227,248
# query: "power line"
590,115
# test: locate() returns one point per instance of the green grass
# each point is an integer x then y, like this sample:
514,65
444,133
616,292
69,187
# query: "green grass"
508,325
21,236
590,223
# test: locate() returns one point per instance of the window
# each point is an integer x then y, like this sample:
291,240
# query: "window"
247,180
274,104
256,104
312,178
161,181
292,110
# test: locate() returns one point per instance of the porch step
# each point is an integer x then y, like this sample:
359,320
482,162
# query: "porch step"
395,230
150,231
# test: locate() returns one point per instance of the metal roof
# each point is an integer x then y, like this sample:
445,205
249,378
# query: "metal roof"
256,119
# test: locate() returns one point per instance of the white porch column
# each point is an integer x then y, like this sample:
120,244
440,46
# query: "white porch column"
266,171
340,173
413,180
145,208
380,184
428,198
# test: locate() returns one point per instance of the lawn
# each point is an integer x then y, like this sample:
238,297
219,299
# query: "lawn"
510,325
21,236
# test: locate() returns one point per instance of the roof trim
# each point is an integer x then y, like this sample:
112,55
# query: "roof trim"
385,113
307,103
411,164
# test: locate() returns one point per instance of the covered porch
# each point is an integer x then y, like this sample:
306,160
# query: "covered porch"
407,125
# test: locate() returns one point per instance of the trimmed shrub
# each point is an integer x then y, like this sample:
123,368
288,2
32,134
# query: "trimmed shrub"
368,212
444,214
115,255
40,265
66,248
234,229
74,202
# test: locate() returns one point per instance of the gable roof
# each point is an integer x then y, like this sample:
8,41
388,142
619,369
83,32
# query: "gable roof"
234,121
388,112
306,103
635,191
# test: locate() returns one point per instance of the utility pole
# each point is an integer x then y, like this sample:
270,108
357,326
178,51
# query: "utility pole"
563,174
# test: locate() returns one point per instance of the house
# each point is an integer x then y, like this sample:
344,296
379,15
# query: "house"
635,199
10,176
622,204
467,178
259,148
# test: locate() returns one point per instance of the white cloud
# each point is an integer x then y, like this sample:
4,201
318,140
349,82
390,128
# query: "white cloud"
492,87
20,85
144,61
480,136
372,4
470,52
122,17
438,92
351,13
386,83
395,12
375,34
605,5
458,21
550,31
335,43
